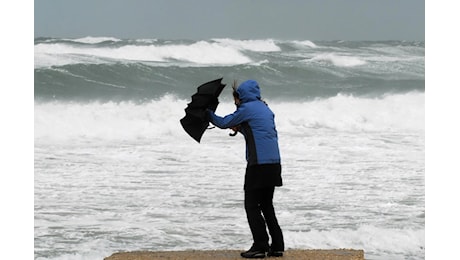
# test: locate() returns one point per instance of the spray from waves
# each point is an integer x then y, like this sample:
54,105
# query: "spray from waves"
128,120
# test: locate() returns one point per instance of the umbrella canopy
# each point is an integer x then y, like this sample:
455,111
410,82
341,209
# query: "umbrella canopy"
195,121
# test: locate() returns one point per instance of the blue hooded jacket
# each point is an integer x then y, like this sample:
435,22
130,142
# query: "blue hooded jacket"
257,124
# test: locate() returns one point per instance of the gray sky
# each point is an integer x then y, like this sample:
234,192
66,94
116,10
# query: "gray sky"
240,19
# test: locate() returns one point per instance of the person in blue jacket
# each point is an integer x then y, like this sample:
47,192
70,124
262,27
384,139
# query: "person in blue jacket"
254,119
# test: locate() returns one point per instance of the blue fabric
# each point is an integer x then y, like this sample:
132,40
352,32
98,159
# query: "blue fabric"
256,122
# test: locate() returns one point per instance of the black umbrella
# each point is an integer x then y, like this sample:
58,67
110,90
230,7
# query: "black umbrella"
195,121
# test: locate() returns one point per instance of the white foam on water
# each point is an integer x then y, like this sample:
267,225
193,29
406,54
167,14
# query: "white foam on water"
377,242
123,176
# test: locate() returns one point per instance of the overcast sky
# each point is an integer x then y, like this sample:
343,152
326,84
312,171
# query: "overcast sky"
241,19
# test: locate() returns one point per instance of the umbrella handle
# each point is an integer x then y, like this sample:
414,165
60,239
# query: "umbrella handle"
233,134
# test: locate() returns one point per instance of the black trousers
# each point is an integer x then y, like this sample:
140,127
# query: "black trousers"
256,203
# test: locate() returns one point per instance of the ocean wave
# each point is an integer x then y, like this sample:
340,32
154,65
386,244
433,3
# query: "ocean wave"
218,52
350,113
128,120
202,52
306,43
213,52
268,45
85,68
94,40
339,60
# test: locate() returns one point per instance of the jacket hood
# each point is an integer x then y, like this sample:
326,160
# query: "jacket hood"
248,91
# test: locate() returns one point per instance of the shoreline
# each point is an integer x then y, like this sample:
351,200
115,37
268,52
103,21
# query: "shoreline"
310,254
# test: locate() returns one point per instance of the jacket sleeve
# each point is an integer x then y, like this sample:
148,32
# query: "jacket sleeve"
228,121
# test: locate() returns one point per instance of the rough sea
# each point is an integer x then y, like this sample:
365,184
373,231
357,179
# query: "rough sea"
115,171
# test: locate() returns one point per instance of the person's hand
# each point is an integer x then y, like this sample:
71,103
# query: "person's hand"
235,130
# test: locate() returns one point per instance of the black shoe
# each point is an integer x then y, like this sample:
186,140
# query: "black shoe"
274,253
251,253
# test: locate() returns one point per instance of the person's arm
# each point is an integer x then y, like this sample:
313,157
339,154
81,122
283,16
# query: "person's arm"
229,121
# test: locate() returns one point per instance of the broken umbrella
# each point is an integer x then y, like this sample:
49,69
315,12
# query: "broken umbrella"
195,121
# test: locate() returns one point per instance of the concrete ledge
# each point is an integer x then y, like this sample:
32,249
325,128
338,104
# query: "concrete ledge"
314,254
